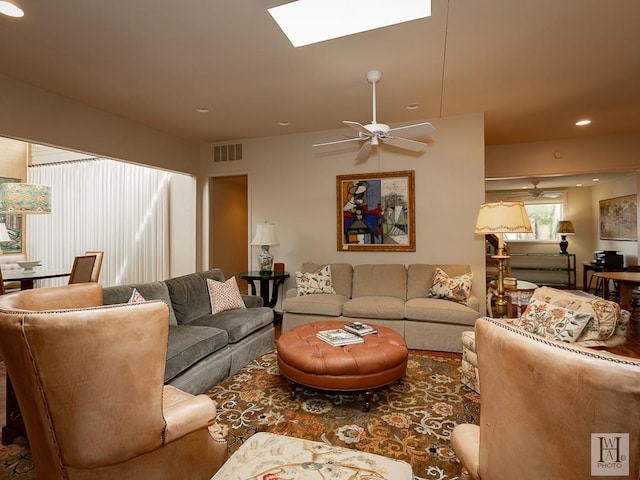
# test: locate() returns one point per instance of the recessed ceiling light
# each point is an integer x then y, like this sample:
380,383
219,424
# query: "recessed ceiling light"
413,106
11,10
311,21
283,123
582,123
595,179
578,184
202,110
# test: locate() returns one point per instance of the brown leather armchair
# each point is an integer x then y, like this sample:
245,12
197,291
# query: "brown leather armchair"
89,381
545,406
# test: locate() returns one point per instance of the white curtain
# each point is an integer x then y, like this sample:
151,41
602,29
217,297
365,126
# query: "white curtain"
119,208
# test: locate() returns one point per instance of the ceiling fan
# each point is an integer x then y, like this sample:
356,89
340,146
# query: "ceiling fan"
538,193
375,132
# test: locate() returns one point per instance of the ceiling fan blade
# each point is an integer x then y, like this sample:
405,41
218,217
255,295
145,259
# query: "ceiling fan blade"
415,130
359,127
404,143
364,151
337,141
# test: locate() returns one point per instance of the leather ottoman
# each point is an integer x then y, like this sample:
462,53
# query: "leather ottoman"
306,360
270,456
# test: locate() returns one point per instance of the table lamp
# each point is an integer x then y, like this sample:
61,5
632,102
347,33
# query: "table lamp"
500,218
265,237
564,228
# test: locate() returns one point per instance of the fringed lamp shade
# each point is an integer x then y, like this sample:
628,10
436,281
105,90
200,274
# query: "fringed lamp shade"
19,198
501,218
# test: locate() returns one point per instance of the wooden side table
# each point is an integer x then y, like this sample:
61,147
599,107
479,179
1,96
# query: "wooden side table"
265,283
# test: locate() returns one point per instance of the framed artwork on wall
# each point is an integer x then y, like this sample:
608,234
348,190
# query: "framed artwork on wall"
376,212
14,226
618,218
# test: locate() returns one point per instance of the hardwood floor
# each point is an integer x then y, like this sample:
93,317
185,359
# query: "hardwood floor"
630,349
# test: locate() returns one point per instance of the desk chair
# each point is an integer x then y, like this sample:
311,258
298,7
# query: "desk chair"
95,274
82,270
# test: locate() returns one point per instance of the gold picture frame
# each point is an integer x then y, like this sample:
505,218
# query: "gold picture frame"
376,212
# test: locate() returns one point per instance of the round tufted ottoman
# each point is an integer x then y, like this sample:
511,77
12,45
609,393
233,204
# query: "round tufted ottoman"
306,360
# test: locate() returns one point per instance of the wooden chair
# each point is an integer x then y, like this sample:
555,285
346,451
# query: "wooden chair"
82,270
95,274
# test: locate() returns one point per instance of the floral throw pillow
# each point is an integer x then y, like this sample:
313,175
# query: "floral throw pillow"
316,282
552,321
456,289
135,297
224,295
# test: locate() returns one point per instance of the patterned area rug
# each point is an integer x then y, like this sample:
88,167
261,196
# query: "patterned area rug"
411,420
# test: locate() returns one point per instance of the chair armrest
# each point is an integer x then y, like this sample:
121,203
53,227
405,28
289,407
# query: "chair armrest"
190,414
465,440
252,301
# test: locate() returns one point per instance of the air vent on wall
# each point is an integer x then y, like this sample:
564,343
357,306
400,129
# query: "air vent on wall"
227,153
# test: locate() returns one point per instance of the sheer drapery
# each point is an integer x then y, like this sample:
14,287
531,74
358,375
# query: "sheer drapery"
119,208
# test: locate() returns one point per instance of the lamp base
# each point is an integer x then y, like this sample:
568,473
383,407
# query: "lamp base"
265,260
563,245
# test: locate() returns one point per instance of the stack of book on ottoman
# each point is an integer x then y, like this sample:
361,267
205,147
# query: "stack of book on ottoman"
361,329
338,337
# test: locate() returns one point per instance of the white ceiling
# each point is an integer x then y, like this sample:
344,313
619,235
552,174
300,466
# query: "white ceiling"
533,67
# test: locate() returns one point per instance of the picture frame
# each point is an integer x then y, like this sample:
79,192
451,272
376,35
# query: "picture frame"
15,226
618,218
376,212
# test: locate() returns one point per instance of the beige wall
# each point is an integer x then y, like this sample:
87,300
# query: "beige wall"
13,158
293,185
31,114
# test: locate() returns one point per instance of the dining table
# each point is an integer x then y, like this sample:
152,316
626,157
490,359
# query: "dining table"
627,281
27,278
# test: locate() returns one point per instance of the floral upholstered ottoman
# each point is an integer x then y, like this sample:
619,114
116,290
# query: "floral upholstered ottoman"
266,456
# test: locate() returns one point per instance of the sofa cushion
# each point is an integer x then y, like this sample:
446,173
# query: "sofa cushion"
188,345
317,304
456,289
440,311
224,295
238,323
380,281
149,291
420,276
374,307
190,295
605,315
308,283
341,275
551,321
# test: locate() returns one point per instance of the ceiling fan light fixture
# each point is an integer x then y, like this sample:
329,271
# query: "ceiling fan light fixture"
306,22
413,106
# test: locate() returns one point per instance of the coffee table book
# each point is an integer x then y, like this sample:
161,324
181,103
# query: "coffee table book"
360,328
338,337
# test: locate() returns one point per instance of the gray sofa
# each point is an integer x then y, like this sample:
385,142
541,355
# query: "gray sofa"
393,296
203,348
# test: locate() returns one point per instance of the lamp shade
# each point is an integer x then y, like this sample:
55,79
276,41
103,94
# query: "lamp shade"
19,198
503,217
565,227
265,235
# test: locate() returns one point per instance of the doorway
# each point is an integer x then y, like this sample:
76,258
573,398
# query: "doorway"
228,226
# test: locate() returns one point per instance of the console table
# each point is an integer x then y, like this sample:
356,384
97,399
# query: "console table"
552,269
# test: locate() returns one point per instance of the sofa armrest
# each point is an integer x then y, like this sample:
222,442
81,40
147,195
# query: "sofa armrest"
473,302
291,293
252,301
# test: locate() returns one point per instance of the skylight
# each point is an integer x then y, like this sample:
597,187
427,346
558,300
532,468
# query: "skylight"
311,21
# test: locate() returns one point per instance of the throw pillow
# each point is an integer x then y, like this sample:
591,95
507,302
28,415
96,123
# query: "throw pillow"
135,297
552,321
456,289
224,295
316,282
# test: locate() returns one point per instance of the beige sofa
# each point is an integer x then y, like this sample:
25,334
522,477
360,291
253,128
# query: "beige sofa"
393,296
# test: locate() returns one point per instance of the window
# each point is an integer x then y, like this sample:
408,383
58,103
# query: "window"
543,218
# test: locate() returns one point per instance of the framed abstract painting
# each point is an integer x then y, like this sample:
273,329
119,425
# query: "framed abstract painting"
376,212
